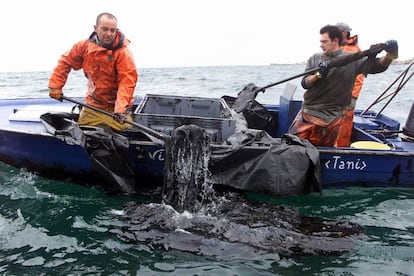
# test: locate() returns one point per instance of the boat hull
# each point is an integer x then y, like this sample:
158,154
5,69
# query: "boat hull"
339,167
25,143
51,157
46,155
367,168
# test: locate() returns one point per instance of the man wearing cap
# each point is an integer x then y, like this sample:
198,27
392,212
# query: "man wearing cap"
349,44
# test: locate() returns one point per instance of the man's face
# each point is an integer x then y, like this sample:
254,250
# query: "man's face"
328,45
106,30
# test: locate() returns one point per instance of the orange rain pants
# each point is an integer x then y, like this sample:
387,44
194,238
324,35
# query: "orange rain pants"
316,130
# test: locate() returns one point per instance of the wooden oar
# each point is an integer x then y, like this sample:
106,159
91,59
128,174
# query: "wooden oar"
148,130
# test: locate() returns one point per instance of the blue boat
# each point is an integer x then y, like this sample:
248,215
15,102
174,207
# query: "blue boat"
42,136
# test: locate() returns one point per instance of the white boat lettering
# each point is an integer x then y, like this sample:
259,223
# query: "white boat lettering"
157,155
338,163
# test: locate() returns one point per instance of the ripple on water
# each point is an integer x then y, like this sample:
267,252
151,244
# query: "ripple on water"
392,213
20,185
35,244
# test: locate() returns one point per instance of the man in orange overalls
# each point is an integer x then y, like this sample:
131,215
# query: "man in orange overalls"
349,44
111,72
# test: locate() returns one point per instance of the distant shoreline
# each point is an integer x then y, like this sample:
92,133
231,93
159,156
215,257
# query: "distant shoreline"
408,61
395,62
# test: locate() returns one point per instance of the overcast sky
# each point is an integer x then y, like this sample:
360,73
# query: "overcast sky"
167,33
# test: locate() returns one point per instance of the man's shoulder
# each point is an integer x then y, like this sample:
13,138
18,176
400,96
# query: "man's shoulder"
81,45
351,48
82,42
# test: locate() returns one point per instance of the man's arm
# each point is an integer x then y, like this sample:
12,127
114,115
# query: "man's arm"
127,80
377,65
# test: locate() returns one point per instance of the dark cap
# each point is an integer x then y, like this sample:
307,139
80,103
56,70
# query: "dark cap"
343,27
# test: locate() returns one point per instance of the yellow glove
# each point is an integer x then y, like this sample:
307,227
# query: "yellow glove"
56,93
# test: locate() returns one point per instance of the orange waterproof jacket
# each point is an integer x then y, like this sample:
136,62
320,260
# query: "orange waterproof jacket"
351,45
111,73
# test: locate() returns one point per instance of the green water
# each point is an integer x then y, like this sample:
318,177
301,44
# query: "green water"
57,228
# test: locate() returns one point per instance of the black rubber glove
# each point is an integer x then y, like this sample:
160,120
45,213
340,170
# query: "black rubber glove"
391,46
323,69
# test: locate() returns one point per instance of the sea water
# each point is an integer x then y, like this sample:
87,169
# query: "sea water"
50,227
